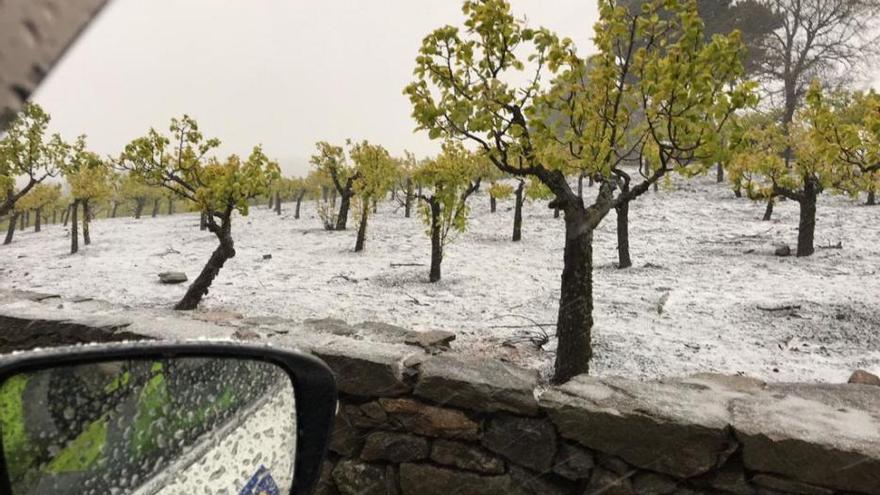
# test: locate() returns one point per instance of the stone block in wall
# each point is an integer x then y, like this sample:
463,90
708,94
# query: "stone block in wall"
823,435
525,482
729,479
369,415
465,456
679,429
573,462
358,478
394,447
325,484
424,419
425,479
647,483
605,482
367,369
788,486
528,442
478,384
345,439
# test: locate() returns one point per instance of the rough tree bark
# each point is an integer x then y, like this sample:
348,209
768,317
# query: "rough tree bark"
517,211
38,219
807,224
23,221
140,203
224,252
277,203
87,238
171,206
581,185
299,199
203,221
493,204
407,202
10,229
624,260
872,198
768,212
362,227
436,242
74,226
344,204
719,173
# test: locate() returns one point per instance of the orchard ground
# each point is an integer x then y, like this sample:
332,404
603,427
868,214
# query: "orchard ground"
704,295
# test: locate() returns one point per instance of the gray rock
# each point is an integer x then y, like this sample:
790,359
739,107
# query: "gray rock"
357,478
525,482
369,415
862,377
267,256
524,441
172,277
424,479
573,462
366,369
478,384
730,478
788,486
782,250
605,482
433,340
819,434
330,326
679,429
432,421
646,483
345,439
325,485
394,447
465,456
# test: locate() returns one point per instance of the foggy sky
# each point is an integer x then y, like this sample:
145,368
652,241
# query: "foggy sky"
284,73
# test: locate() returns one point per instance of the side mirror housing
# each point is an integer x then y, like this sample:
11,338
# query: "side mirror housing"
163,418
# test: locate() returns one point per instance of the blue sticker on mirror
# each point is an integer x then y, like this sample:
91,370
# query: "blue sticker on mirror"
261,484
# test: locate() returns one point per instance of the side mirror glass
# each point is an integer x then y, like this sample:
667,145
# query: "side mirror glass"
154,425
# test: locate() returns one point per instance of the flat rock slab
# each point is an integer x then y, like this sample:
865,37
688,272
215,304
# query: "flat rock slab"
673,428
432,340
826,435
367,369
172,277
478,384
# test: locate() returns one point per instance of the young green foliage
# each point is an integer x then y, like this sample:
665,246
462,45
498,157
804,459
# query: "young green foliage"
375,172
449,179
178,163
330,162
26,151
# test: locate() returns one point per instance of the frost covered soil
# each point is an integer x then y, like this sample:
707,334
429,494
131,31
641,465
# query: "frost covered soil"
703,256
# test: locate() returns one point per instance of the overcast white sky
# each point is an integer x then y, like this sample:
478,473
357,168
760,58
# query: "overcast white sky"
284,73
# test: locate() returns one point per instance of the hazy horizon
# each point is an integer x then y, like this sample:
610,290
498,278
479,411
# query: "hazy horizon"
282,73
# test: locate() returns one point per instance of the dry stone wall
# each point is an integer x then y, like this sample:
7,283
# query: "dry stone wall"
417,419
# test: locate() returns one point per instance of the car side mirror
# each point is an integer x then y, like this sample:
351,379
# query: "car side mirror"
163,419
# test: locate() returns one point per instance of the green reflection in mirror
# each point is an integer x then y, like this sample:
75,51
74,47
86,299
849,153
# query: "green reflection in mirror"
148,427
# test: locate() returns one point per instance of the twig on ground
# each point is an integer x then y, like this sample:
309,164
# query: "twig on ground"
780,308
396,265
415,301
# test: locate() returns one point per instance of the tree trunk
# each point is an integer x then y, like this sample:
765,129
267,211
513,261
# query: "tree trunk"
271,201
277,202
199,288
555,212
10,229
38,219
517,212
299,200
203,221
156,203
74,226
375,206
872,198
54,215
407,203
344,205
436,243
23,221
623,256
575,320
656,187
362,227
807,225
737,191
581,185
66,215
719,173
139,208
493,204
768,212
113,210
171,206
87,238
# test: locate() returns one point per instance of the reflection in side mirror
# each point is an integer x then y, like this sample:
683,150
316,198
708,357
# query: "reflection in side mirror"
150,427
